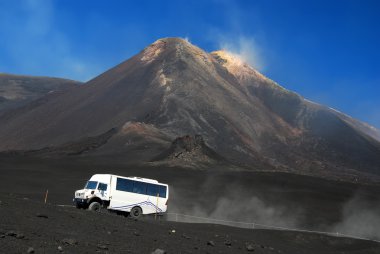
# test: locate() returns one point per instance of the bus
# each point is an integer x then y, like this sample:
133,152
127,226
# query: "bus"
133,195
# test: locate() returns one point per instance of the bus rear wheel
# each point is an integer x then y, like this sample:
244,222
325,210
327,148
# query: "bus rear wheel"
136,212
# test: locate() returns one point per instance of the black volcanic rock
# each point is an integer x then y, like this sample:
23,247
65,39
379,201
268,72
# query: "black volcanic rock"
185,145
171,89
189,150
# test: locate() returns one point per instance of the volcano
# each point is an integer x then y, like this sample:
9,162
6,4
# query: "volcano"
136,111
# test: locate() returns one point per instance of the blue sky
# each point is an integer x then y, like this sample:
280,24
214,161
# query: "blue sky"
327,51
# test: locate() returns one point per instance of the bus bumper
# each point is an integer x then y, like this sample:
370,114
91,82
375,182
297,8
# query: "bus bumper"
80,202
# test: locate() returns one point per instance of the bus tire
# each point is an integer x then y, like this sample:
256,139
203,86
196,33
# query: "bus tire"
136,212
94,206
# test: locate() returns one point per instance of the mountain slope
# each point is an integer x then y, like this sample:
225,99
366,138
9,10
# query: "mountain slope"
17,90
171,89
329,138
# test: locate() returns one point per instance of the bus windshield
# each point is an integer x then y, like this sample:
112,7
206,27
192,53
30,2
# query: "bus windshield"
91,185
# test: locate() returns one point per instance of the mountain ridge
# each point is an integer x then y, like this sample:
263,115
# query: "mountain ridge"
19,90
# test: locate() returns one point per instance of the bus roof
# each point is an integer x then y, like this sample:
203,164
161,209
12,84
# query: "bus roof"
98,177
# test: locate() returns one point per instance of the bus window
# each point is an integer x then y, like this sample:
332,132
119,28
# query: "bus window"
152,189
139,187
124,185
91,185
102,187
162,191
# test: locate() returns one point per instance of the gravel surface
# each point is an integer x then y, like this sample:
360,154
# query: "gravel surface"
28,226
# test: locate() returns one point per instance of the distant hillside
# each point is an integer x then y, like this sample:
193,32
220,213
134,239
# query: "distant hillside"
17,90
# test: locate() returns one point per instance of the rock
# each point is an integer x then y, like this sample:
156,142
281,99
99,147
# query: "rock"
2,236
211,243
11,233
172,231
228,243
60,249
158,251
20,236
186,236
30,250
102,247
15,234
136,233
70,241
249,247
40,215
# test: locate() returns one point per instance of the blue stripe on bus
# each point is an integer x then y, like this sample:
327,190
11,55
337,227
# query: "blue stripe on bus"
141,203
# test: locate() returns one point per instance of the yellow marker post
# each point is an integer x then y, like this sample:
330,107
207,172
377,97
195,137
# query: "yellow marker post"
46,195
155,216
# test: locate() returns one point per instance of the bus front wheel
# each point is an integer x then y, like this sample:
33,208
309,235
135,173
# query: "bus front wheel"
94,206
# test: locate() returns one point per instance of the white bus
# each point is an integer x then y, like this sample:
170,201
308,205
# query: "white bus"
134,195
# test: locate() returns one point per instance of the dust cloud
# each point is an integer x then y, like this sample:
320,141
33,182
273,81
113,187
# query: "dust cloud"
241,207
361,218
246,49
236,208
